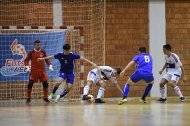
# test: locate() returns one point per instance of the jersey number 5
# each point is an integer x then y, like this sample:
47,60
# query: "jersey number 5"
147,59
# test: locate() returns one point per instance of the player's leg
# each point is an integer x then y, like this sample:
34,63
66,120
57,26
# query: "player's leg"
69,84
29,90
86,90
56,86
34,77
135,77
45,90
149,79
91,78
44,80
162,84
101,91
126,91
173,84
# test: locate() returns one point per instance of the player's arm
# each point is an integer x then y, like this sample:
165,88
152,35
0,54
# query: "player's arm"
127,67
93,64
48,62
47,57
183,74
163,68
178,63
26,62
118,87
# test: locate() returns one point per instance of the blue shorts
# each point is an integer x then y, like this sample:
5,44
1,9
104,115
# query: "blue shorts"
137,76
69,77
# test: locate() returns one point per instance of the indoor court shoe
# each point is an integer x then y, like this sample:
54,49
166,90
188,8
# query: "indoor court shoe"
57,98
86,97
46,100
122,101
182,99
98,100
143,101
162,99
50,96
28,101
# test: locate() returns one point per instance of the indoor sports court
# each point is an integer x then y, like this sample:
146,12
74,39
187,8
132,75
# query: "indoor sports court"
109,114
142,46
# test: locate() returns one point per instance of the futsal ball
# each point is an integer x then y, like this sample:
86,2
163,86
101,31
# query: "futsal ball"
92,98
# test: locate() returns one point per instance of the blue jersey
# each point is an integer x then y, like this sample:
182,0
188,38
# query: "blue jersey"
144,62
67,61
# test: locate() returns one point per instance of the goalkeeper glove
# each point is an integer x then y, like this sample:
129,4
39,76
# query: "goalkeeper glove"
28,68
50,67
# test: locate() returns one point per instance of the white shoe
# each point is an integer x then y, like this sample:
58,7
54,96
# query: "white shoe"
57,98
50,96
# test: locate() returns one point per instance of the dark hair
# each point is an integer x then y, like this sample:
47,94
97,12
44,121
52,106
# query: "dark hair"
142,49
37,41
66,47
167,47
118,70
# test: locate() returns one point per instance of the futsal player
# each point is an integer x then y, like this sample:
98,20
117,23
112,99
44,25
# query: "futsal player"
174,70
143,72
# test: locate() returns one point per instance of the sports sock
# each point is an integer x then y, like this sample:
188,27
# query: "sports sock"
162,92
177,90
126,90
63,93
86,89
100,92
147,90
54,89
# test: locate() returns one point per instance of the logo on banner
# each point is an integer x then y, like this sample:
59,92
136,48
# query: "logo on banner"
14,67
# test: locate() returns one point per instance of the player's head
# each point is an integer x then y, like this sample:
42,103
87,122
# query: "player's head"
37,44
142,50
167,49
116,72
66,49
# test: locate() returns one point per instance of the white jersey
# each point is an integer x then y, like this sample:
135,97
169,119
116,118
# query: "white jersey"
106,72
173,64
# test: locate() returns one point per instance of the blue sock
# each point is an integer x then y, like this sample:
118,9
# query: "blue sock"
63,93
54,89
126,90
147,90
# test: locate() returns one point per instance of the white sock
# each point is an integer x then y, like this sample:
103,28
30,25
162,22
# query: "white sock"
100,92
162,92
177,90
86,89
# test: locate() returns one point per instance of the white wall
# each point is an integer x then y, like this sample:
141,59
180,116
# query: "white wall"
157,38
57,13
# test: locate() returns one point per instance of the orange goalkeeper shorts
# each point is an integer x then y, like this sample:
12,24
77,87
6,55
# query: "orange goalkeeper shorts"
38,76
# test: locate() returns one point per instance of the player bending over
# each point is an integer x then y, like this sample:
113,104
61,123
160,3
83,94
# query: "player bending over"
67,61
174,68
99,76
143,72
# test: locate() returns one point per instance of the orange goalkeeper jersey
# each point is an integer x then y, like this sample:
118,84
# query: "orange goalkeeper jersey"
33,56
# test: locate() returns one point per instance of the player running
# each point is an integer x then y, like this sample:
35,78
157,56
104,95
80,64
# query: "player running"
37,70
99,76
173,68
143,72
67,69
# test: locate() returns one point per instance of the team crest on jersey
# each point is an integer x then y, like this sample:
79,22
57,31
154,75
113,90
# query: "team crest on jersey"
14,67
41,55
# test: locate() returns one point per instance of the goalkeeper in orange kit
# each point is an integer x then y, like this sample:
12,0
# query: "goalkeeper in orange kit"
37,70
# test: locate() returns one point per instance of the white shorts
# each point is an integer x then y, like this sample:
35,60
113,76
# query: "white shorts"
92,76
172,77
